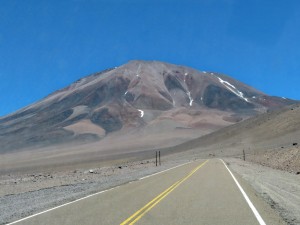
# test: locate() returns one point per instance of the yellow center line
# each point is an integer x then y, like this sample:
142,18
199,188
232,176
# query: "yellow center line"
141,212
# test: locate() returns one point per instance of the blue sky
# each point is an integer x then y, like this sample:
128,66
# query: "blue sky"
46,45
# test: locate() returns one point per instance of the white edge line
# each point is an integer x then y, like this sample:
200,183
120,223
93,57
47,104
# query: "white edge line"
163,171
255,212
28,217
48,210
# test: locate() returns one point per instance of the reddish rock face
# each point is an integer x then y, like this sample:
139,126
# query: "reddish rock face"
138,94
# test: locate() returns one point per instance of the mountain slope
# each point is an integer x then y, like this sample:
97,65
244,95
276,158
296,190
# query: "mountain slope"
271,131
146,97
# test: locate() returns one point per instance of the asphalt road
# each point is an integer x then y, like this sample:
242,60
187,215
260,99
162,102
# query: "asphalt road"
202,192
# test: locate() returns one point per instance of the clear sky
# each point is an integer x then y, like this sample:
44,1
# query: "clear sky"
47,44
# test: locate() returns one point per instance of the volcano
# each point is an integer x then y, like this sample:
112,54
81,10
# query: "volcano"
162,103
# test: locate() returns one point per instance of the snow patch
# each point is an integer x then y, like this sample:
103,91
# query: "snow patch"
138,70
188,93
185,76
190,97
283,97
232,88
142,112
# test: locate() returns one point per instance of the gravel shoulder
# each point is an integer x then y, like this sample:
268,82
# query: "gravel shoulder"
280,189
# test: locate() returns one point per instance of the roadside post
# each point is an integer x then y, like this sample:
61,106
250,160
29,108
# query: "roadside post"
159,158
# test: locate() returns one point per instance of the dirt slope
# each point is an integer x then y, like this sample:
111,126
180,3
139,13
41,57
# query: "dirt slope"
270,139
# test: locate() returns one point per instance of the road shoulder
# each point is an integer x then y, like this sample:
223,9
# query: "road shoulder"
275,190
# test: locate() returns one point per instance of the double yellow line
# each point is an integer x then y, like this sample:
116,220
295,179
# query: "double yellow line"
141,212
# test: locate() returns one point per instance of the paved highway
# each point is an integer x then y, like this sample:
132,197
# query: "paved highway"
202,192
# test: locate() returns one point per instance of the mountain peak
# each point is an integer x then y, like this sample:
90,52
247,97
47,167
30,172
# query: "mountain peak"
137,95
